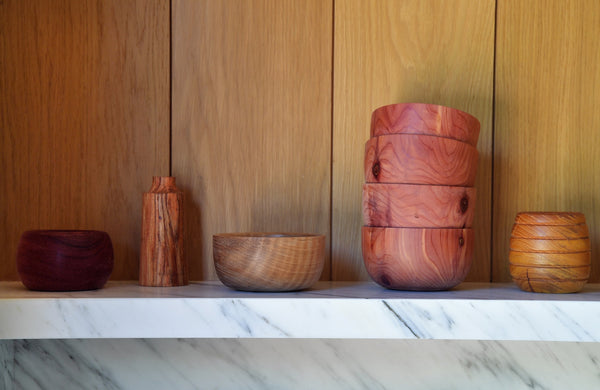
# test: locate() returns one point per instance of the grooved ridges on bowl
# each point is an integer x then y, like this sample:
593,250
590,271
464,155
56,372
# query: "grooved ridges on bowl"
268,261
417,259
420,159
427,206
550,252
420,118
556,287
549,246
550,232
550,259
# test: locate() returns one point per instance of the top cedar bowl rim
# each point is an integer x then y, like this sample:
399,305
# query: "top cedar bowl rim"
420,104
430,122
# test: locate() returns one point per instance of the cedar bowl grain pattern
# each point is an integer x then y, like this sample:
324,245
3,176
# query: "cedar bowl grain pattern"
550,252
268,261
409,205
420,159
417,259
64,260
431,119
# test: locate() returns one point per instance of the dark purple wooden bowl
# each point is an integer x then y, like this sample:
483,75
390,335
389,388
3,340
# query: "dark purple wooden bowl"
64,260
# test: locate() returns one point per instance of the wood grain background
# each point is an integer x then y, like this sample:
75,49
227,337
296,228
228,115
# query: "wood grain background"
271,102
547,127
251,119
406,51
84,119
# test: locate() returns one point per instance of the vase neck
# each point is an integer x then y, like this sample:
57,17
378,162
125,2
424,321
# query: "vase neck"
163,184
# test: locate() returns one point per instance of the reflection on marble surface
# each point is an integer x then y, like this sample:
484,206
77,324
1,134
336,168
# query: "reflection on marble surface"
359,290
6,364
302,364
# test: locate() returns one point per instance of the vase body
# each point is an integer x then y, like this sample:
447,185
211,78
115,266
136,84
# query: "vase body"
162,261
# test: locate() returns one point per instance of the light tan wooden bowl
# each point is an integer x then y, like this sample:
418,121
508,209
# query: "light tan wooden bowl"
420,118
417,259
550,252
410,205
268,261
420,159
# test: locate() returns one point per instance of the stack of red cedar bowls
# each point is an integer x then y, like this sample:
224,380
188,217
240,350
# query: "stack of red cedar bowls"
550,252
418,199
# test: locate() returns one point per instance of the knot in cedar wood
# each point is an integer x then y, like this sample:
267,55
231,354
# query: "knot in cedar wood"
464,204
376,169
461,241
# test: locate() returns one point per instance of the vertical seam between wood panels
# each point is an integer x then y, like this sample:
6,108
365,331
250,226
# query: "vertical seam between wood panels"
170,87
331,141
493,142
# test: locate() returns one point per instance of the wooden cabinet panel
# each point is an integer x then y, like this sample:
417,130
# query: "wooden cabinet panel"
251,110
547,126
387,52
84,115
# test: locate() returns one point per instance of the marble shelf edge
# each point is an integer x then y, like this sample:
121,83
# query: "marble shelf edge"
331,310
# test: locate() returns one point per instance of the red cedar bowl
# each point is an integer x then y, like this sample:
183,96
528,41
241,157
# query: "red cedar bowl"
268,261
64,260
420,159
410,205
431,119
417,259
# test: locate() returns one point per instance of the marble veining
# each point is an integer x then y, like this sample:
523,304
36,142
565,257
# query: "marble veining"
331,310
304,363
6,364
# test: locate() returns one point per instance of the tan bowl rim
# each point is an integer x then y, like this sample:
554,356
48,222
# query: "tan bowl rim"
268,235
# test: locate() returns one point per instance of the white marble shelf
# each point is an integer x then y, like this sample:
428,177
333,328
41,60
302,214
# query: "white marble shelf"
330,310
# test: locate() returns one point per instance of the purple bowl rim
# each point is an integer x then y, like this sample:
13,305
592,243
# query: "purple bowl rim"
52,232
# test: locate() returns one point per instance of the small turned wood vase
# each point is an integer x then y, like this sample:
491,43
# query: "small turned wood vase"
430,119
417,259
550,252
411,205
420,159
64,260
162,261
273,262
